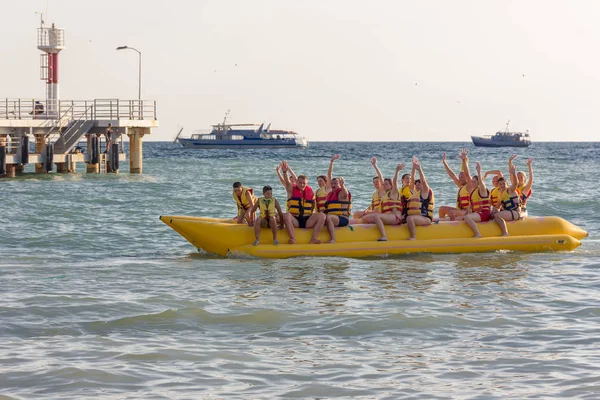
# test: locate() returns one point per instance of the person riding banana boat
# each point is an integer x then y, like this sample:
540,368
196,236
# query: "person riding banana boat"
421,203
244,199
524,184
300,207
391,205
509,202
464,189
324,183
495,192
480,207
375,206
338,206
270,216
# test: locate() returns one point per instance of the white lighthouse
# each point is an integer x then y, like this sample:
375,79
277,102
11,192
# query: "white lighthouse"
51,41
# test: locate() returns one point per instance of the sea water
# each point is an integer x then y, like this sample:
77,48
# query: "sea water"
99,299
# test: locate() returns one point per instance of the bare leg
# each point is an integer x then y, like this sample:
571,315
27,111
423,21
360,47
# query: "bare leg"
381,228
410,221
289,225
318,224
331,229
502,224
273,224
470,220
257,231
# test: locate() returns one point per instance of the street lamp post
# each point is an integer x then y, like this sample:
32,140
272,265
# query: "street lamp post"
139,69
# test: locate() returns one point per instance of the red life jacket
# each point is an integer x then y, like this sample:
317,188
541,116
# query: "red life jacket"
335,206
301,202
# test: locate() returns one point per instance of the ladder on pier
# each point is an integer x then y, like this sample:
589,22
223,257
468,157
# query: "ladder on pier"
102,162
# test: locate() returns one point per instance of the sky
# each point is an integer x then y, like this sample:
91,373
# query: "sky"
331,70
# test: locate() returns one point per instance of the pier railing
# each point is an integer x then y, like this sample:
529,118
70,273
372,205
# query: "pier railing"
97,109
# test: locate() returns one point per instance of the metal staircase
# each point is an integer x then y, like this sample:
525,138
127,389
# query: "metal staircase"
69,138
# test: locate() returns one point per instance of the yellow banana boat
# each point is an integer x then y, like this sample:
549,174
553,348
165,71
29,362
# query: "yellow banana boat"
223,237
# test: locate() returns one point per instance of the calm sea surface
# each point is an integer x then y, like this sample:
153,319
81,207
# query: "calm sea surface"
99,299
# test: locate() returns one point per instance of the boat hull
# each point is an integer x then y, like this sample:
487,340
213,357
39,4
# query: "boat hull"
485,142
223,237
240,144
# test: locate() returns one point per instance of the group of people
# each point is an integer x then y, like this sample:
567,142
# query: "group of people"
411,203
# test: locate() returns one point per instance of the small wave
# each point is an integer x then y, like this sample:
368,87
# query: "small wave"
186,318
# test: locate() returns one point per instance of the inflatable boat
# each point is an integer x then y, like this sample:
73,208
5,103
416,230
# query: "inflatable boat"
533,234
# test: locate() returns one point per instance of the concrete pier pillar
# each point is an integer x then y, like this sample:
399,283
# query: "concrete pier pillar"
90,167
11,170
40,143
62,168
135,149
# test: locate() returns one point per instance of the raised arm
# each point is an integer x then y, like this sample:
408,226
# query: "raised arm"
293,177
374,163
529,183
278,170
424,184
330,170
512,170
411,185
510,161
289,186
482,189
399,168
344,192
451,173
495,172
464,156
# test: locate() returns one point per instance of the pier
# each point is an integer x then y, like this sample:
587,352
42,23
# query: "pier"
57,134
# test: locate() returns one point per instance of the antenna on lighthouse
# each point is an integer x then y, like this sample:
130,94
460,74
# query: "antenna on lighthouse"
41,18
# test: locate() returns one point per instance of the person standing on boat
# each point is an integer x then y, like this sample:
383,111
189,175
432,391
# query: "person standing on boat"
509,202
391,206
301,207
324,183
378,184
337,206
244,199
480,208
524,188
421,204
462,182
270,215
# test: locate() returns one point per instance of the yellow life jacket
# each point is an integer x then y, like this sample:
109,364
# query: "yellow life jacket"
267,207
510,203
321,198
463,198
405,195
242,200
301,202
391,205
494,193
375,202
524,197
419,206
335,206
478,203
